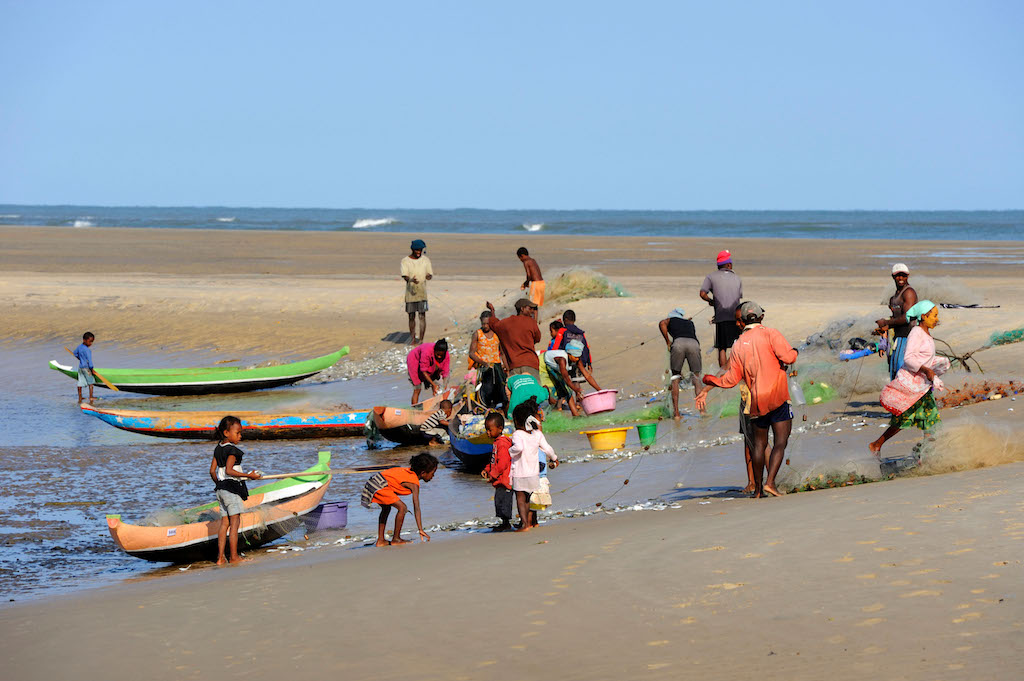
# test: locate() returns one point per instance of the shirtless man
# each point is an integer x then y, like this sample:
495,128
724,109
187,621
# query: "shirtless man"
534,279
904,299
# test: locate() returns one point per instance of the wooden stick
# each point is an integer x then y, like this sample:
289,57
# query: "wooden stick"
318,474
99,376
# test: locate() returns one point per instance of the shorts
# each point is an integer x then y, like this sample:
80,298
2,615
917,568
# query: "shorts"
536,293
417,382
85,377
439,434
726,334
503,502
230,503
688,350
530,371
777,415
527,484
418,306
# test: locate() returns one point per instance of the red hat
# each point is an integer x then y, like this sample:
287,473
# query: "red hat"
724,258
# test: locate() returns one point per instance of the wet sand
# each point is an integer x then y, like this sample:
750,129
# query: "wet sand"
912,579
867,580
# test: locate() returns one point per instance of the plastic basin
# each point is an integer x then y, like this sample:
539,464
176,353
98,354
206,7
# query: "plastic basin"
606,438
648,433
332,515
597,402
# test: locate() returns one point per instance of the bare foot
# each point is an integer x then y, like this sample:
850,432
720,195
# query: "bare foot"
772,490
239,561
749,489
382,542
677,416
876,449
222,561
435,443
398,541
525,528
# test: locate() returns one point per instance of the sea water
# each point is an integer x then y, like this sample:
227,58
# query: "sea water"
903,225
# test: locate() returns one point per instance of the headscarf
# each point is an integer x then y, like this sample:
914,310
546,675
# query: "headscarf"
677,314
920,309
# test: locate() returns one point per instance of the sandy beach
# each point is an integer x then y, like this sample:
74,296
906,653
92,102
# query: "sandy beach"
908,579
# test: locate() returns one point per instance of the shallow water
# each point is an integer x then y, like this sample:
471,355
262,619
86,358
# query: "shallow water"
61,470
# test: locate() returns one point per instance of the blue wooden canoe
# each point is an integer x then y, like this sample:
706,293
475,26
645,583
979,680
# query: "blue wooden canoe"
200,425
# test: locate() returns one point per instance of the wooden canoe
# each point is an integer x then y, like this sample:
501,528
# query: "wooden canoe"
473,452
402,424
209,380
272,511
201,425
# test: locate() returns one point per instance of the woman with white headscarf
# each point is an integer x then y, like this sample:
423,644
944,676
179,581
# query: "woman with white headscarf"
908,397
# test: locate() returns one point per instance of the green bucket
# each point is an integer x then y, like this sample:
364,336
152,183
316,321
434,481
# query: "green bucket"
648,433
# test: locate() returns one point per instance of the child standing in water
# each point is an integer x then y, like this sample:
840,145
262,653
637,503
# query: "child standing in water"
86,373
527,442
497,471
230,485
386,487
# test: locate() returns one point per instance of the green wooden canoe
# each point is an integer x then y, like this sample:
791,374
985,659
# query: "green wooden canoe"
208,380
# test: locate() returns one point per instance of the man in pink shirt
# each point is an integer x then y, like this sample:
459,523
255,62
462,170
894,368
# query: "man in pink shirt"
428,363
759,358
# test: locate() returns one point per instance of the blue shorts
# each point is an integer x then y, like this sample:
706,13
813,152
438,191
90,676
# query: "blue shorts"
777,415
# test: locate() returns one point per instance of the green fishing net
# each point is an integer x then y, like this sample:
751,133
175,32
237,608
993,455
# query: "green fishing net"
1007,337
578,283
563,421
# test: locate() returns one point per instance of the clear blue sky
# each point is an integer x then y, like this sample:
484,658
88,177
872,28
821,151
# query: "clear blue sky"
645,105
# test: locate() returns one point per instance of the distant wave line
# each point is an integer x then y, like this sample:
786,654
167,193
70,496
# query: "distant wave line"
364,223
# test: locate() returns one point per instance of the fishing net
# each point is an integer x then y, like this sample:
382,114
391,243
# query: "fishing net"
578,283
1006,337
970,444
563,422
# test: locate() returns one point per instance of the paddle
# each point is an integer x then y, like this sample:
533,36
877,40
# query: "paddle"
316,474
99,376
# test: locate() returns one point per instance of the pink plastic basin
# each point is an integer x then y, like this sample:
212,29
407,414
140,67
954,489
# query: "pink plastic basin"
597,402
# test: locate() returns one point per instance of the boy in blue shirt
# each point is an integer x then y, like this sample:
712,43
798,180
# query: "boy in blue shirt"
86,375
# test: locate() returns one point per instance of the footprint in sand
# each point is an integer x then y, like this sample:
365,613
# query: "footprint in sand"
920,592
870,575
870,622
874,607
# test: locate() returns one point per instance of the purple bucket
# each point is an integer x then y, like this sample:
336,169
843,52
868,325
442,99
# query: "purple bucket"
332,515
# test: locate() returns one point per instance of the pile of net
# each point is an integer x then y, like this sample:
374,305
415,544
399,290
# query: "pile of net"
578,283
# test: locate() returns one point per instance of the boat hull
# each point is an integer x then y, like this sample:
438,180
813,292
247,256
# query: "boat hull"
402,424
201,425
208,380
271,511
473,455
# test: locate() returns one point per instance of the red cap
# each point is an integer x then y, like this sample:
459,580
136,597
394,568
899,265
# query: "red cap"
724,258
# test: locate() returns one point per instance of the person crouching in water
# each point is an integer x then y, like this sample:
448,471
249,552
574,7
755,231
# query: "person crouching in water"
758,359
229,481
386,487
564,367
497,472
436,425
527,442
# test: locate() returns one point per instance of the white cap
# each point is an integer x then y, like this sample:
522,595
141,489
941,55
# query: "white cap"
900,267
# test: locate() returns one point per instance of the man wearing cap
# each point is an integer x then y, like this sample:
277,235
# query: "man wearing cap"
758,359
567,371
904,299
416,271
519,335
723,290
683,346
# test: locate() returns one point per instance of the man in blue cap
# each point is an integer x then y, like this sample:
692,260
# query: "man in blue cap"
416,271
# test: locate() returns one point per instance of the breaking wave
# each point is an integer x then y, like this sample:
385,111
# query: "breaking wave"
364,223
533,227
228,219
83,223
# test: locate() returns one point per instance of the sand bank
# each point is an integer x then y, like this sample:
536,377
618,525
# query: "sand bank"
913,579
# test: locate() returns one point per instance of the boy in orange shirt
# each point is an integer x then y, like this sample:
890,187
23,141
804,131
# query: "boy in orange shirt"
498,470
386,487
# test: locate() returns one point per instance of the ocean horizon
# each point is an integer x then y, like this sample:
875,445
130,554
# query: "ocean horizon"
958,225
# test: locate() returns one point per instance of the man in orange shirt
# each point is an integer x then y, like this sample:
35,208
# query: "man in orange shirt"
759,358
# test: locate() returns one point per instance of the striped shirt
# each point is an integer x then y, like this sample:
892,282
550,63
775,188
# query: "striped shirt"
434,421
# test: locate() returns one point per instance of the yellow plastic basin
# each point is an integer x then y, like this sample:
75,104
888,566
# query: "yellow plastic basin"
606,438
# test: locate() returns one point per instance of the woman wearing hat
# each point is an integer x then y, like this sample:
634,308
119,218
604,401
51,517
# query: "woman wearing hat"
416,271
904,299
